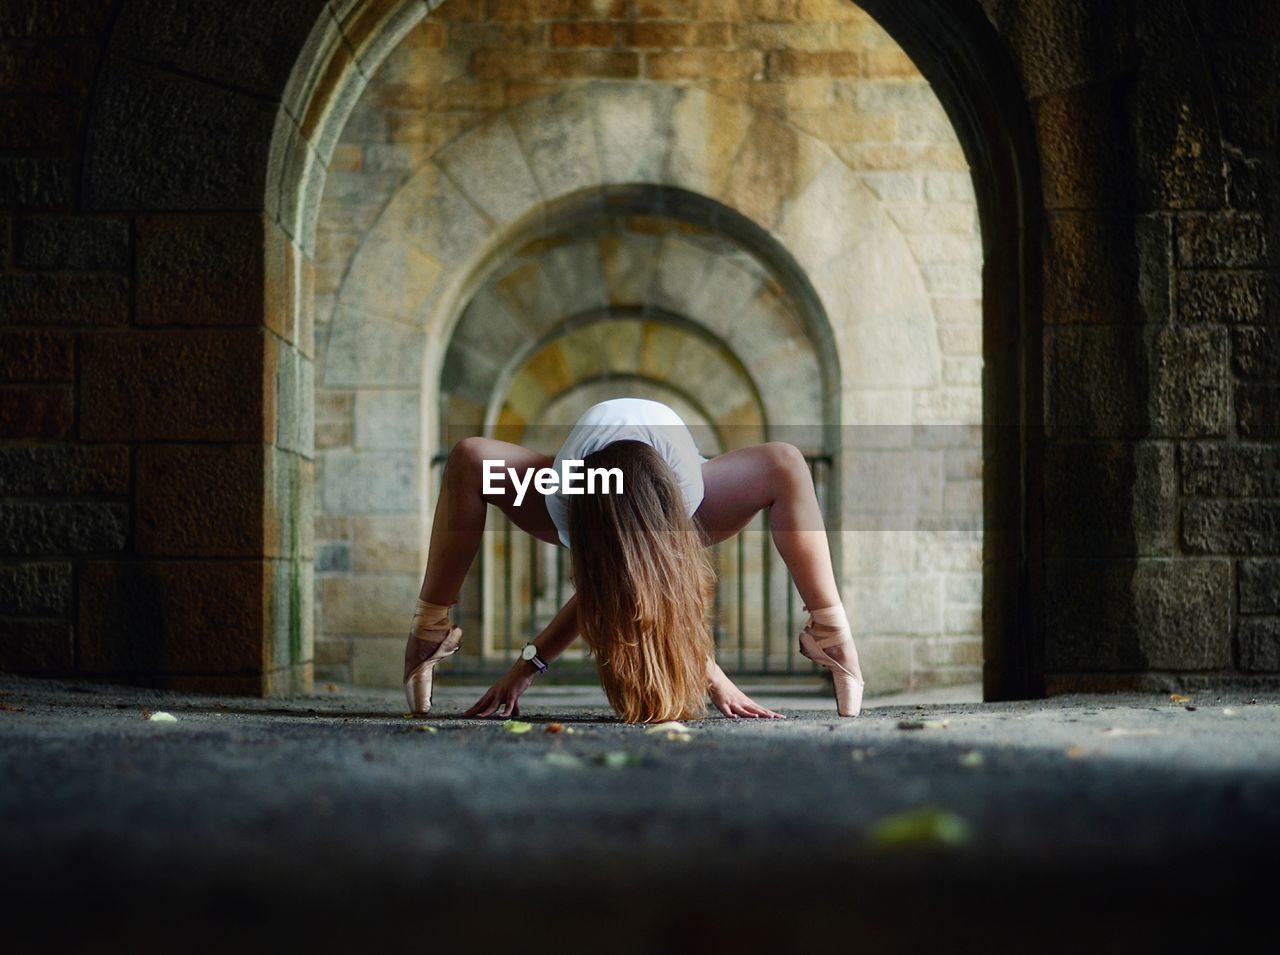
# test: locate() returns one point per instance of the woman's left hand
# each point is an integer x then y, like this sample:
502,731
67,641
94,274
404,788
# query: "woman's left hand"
733,703
503,698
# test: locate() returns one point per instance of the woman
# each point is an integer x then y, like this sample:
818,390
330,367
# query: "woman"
643,580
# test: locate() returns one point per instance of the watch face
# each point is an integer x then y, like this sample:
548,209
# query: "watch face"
529,651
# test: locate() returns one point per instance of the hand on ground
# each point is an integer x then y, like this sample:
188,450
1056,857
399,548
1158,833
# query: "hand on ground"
733,703
503,698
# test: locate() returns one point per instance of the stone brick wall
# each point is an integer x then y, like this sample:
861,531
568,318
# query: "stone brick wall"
141,401
825,70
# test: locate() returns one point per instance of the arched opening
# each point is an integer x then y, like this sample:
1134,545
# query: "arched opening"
866,242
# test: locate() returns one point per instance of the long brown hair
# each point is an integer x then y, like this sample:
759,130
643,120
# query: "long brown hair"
644,584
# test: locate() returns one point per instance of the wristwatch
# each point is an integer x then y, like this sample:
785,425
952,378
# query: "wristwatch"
530,653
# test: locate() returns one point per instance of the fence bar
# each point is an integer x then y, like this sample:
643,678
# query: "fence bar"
508,585
766,555
742,602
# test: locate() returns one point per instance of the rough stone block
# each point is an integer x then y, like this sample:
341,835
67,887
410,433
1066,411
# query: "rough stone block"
1083,144
27,471
62,527
369,482
266,38
366,350
28,19
80,242
1231,527
377,661
387,419
36,646
1188,370
36,356
199,501
63,300
1137,615
1259,644
1228,297
383,544
171,617
1225,470
1258,411
1260,586
163,385
1255,353
200,270
1106,268
36,412
1223,241
40,123
35,589
149,147
1092,376
334,558
36,184
370,604
1173,127
1109,498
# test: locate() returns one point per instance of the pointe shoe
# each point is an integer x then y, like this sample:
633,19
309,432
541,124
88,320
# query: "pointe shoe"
848,686
417,686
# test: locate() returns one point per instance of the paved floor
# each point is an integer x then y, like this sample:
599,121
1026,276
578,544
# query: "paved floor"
334,822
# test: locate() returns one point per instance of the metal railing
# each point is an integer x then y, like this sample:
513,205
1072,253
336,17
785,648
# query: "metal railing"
521,583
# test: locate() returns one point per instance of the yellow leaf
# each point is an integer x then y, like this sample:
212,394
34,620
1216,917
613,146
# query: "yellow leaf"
928,826
670,726
162,717
516,726
1179,698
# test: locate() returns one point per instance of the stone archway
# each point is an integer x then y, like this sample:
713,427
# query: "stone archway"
281,174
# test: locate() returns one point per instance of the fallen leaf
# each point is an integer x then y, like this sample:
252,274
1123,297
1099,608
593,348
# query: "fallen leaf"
1191,709
928,826
517,726
1228,712
1075,752
923,724
678,737
614,759
331,687
162,717
10,708
1179,698
424,728
1122,731
146,713
563,760
670,726
555,727
971,758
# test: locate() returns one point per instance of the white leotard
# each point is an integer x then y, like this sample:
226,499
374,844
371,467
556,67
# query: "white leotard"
632,419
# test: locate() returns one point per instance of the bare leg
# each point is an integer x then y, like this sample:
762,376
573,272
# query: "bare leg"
458,527
740,483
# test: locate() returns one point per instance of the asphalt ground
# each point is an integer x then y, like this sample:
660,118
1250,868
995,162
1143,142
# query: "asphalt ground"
335,822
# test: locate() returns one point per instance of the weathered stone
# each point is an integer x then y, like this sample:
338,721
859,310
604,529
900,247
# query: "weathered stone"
36,184
161,141
36,412
1189,382
387,419
171,617
163,385
1228,297
36,646
1083,141
370,604
36,357
63,300
1137,615
266,38
1259,644
73,243
1258,411
377,661
1091,378
1174,127
1255,353
1231,527
1260,586
65,469
44,123
366,350
199,501
384,544
333,557
1226,470
62,527
1106,268
35,589
200,270
1224,240
28,19
369,482
1109,498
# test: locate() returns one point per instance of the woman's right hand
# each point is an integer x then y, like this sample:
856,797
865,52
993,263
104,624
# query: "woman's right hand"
503,698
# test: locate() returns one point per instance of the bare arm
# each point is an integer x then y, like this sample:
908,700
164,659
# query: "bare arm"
503,698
